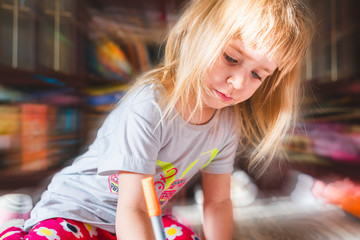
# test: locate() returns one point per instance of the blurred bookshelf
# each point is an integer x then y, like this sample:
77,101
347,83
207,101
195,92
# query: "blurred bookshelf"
327,141
64,65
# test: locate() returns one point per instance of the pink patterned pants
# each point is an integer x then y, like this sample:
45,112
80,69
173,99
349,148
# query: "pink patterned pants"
59,228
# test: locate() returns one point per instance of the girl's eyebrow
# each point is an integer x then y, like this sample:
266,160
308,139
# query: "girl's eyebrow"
248,56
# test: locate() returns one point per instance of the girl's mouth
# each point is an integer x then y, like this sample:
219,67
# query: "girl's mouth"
222,96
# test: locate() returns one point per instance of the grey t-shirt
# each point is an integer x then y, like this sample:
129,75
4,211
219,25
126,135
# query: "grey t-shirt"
135,138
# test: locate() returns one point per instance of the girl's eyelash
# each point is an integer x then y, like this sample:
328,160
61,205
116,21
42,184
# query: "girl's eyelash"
255,75
230,59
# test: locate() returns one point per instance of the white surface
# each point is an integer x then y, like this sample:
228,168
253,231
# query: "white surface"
281,218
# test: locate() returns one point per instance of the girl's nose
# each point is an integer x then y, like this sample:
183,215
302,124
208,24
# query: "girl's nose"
237,81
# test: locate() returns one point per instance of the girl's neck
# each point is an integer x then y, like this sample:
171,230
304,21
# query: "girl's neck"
198,118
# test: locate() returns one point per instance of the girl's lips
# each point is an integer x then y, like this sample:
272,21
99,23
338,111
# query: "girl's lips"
222,96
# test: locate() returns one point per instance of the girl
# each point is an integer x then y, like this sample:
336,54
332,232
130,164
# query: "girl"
229,78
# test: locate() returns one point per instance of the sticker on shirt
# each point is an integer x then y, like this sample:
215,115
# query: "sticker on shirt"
174,187
113,183
168,185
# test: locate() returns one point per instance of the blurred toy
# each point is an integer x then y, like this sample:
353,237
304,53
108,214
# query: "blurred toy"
243,190
15,206
302,194
344,193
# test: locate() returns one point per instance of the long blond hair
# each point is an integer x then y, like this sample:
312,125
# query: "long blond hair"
282,28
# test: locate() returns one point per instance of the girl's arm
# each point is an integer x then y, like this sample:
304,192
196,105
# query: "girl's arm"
217,208
132,220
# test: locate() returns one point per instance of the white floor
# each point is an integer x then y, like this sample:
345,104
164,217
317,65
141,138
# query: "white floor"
282,219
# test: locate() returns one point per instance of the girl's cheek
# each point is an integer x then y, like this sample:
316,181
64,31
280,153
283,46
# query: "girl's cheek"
221,74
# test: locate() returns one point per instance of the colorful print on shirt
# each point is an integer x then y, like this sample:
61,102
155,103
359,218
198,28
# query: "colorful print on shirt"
167,185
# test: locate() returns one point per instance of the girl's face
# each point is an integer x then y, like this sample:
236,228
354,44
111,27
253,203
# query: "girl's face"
235,75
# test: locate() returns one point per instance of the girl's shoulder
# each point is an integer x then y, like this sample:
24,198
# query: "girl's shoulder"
139,106
144,94
142,101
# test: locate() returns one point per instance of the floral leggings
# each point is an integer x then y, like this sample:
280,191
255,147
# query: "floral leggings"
59,228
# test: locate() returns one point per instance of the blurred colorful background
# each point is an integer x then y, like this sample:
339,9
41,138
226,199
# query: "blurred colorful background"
65,63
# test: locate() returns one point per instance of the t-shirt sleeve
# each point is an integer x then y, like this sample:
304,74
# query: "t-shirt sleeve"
129,141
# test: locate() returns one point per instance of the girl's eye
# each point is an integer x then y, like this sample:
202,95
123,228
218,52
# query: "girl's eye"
229,59
255,75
